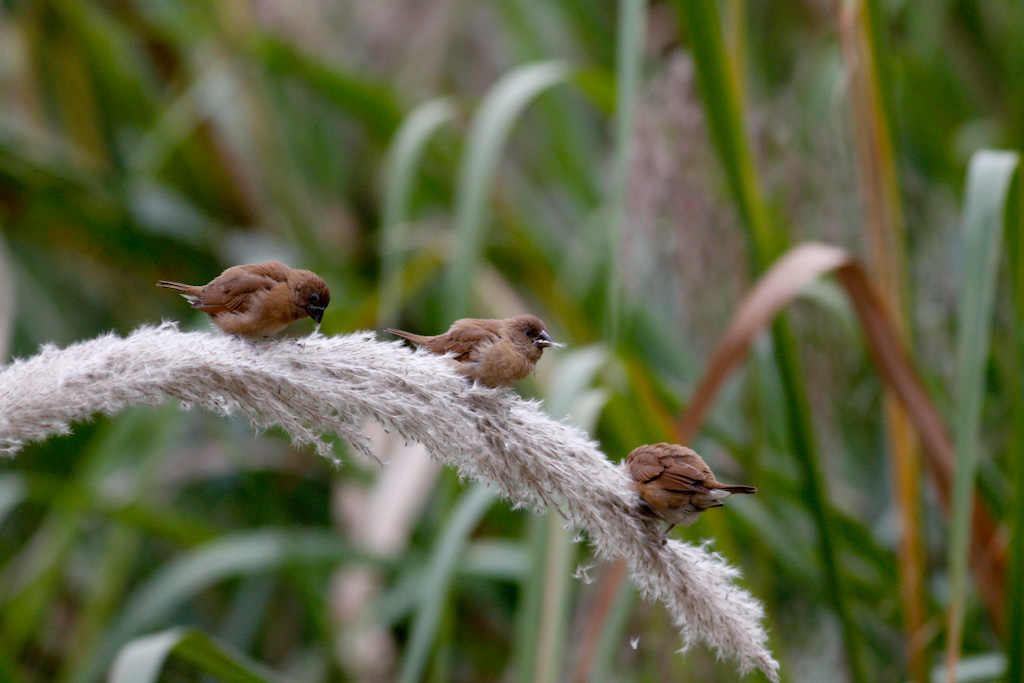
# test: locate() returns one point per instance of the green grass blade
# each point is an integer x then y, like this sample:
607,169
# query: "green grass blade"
488,135
143,659
34,575
495,560
571,394
538,29
980,668
988,183
403,160
82,500
553,619
9,670
630,49
613,634
111,575
1015,464
7,301
241,554
371,104
464,518
571,381
720,93
123,78
801,436
531,599
718,85
12,493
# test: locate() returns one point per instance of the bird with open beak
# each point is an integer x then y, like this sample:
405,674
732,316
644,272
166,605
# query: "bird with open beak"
258,300
496,353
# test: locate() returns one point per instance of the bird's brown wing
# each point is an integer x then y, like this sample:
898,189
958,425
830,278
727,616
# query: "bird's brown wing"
690,457
681,476
667,464
645,464
229,291
464,337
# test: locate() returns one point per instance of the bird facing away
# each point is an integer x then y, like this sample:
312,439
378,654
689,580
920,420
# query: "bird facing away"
496,353
258,300
675,484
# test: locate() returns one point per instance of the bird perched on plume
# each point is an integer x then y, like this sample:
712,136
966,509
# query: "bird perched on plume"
258,300
496,353
675,484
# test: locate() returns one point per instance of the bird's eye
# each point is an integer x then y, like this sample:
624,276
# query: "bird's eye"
314,298
530,332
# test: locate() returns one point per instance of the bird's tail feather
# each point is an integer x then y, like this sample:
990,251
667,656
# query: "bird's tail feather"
414,338
739,488
187,291
177,286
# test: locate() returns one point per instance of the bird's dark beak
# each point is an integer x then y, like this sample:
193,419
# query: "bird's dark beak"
543,339
315,312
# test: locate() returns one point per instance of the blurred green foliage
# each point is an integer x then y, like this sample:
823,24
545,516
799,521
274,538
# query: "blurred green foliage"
150,139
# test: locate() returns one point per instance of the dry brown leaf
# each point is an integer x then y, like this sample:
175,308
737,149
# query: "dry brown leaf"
783,282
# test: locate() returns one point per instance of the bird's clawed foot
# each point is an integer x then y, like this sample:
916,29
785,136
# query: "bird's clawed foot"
644,508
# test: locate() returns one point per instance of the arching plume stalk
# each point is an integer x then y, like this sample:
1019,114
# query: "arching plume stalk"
318,385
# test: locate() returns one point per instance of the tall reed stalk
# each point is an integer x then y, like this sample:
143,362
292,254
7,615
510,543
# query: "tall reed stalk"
718,83
884,233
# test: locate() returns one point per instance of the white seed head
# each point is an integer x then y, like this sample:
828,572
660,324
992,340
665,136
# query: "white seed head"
324,385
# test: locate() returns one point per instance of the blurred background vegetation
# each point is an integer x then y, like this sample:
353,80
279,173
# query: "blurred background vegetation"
626,171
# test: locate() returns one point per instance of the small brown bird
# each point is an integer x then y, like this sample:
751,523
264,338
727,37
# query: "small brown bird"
258,300
496,353
675,484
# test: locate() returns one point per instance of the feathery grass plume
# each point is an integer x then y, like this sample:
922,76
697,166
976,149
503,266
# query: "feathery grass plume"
316,385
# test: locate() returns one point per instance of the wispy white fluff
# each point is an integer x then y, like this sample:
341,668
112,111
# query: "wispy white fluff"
317,385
